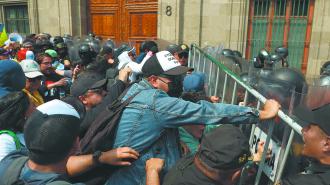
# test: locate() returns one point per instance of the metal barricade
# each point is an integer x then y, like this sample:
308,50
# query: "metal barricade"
219,77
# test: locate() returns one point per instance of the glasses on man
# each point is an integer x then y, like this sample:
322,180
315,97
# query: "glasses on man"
47,63
164,80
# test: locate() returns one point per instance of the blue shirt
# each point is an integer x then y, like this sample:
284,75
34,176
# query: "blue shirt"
28,175
145,126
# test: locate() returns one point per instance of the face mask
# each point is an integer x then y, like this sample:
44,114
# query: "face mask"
175,87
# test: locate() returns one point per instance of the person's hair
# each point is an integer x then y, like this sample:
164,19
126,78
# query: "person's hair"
194,97
13,107
41,56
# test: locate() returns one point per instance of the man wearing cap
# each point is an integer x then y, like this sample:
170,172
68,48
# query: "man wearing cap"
316,137
179,52
51,137
33,76
215,162
145,122
92,91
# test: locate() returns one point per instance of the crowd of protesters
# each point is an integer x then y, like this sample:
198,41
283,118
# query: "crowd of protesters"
88,111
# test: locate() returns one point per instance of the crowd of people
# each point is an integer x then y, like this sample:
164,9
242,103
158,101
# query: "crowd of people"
88,111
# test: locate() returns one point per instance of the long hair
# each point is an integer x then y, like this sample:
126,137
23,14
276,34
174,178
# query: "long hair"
13,107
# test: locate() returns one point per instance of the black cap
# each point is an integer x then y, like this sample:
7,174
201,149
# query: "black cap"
317,116
226,147
85,82
173,48
163,63
51,131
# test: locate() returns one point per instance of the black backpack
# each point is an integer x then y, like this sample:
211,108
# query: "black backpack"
101,133
100,136
12,174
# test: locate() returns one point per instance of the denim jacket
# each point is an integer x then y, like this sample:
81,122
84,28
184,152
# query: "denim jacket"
147,121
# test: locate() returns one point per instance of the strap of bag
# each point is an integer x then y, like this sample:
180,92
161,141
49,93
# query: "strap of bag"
103,119
14,136
14,171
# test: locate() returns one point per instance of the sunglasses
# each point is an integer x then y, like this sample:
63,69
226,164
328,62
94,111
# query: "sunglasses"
183,55
164,81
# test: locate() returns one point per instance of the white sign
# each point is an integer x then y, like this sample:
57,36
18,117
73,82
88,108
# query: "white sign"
270,164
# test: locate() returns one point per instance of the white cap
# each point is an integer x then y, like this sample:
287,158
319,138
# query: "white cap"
58,107
30,68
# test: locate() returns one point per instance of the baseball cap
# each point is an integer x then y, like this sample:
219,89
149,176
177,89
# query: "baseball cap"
184,50
319,116
28,43
224,148
51,52
30,68
194,82
50,132
173,48
85,82
163,63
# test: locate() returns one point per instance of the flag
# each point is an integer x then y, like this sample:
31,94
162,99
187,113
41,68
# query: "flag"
3,37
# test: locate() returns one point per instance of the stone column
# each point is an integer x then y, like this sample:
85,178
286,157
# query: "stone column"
319,51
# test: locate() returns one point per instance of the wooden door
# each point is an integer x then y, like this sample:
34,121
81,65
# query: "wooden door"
124,20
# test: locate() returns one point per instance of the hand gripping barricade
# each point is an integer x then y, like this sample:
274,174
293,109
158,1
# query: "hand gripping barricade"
219,85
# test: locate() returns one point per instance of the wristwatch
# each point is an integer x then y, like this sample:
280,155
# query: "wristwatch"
96,157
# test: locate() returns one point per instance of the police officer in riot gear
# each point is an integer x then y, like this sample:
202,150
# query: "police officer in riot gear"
86,54
283,52
313,115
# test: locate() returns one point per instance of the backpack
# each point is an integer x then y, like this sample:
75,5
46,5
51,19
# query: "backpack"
100,135
14,136
14,171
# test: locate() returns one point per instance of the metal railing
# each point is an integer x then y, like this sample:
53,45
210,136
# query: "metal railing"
221,81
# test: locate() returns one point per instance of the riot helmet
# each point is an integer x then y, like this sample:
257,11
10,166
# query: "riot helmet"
282,52
86,54
108,47
325,69
263,56
57,40
291,76
149,46
91,34
237,53
227,52
273,59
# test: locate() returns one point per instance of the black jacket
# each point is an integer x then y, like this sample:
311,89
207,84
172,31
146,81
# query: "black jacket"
113,93
317,174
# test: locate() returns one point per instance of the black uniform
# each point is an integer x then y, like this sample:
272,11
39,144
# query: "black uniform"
317,174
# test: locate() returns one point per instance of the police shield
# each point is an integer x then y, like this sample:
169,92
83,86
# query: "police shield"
284,93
